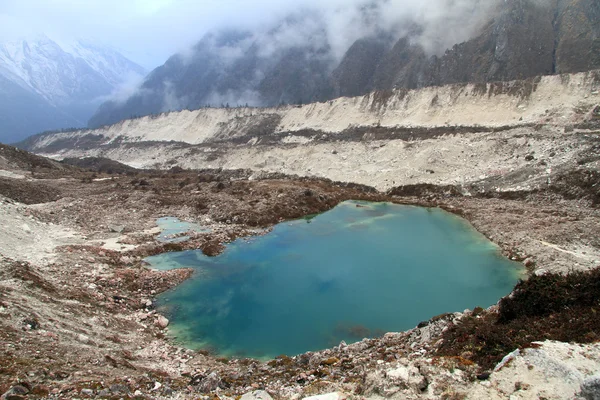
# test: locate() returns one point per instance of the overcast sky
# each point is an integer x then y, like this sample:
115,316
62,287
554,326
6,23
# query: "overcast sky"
147,30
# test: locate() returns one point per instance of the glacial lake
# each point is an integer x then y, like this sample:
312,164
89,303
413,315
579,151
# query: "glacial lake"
356,271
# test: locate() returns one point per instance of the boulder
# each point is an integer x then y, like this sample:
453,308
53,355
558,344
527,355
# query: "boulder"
257,395
590,388
116,228
408,376
209,383
162,322
17,390
328,396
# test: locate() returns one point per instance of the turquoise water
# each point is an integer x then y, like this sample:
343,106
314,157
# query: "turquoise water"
359,270
171,228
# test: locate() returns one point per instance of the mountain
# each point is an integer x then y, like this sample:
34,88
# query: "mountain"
48,85
295,61
236,67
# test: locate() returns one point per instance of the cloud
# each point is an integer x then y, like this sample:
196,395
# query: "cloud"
129,86
151,30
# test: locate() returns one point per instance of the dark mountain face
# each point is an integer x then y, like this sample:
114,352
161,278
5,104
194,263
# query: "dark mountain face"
355,73
236,68
577,27
519,39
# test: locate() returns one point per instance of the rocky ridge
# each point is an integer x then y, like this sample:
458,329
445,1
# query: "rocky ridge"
432,135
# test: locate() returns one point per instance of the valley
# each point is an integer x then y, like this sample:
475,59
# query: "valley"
519,160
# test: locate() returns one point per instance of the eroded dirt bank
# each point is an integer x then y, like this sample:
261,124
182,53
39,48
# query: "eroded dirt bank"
77,301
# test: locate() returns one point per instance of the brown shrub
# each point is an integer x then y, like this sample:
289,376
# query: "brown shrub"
547,307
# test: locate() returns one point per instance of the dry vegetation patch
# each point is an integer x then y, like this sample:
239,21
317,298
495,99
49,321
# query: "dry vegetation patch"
547,307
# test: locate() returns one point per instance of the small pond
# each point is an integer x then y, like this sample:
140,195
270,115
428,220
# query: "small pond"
172,230
357,271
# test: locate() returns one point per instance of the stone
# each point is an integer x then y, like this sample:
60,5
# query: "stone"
119,389
116,228
257,395
12,397
87,392
210,383
408,376
483,376
162,322
83,339
328,396
590,388
507,359
17,390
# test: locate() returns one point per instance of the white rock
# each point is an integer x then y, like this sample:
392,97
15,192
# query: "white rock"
328,396
83,338
409,376
402,373
507,359
162,322
257,395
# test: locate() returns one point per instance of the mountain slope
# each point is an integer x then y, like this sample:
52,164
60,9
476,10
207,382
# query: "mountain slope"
25,112
56,85
234,67
515,39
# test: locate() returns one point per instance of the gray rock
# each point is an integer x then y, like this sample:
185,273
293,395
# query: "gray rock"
167,391
210,383
116,228
119,389
16,390
12,397
257,395
590,388
87,392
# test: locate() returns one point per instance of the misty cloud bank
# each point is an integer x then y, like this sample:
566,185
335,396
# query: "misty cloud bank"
323,31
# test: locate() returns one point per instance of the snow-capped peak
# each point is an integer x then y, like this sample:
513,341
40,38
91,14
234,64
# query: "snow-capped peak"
64,71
